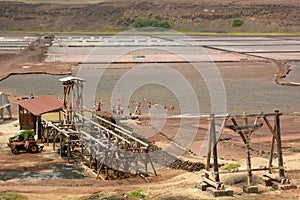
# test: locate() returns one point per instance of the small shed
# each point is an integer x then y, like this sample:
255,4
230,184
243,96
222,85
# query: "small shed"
4,104
30,111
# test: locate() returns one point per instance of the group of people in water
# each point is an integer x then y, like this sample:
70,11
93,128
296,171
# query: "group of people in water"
138,106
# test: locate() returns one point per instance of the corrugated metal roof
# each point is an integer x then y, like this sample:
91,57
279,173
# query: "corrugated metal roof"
71,78
41,104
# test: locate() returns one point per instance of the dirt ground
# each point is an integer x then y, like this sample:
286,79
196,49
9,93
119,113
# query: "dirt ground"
47,176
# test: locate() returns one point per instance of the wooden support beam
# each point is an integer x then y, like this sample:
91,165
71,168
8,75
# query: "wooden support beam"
257,118
273,131
207,164
239,131
39,127
60,143
248,128
47,135
150,160
209,174
279,150
276,177
68,150
271,153
248,160
217,185
82,149
215,153
105,164
99,170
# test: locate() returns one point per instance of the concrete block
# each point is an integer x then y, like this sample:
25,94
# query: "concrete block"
220,193
250,189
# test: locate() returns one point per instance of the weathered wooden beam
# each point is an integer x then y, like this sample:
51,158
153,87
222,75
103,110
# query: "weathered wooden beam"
249,128
276,177
239,131
252,169
271,153
217,185
248,160
257,118
270,127
209,174
60,144
207,164
279,149
215,152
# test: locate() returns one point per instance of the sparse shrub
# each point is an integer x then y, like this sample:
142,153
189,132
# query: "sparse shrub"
274,171
237,23
12,196
138,193
155,22
232,166
297,150
157,16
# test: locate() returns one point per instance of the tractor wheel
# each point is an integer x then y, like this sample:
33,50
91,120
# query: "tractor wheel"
15,151
33,148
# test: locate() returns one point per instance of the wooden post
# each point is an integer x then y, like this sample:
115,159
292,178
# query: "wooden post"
270,127
215,154
207,165
239,131
146,165
149,158
82,151
248,151
39,127
271,154
99,170
47,135
54,139
59,116
106,162
245,119
91,160
68,150
279,150
60,143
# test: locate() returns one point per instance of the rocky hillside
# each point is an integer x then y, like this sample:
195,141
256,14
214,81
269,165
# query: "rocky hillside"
205,15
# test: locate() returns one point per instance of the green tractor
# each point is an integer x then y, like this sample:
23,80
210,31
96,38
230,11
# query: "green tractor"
24,141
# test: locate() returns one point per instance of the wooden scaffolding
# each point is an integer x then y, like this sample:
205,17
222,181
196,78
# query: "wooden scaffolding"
108,148
241,125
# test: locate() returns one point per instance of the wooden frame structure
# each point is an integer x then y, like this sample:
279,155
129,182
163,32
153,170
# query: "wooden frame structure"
245,129
31,111
106,146
111,147
73,98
